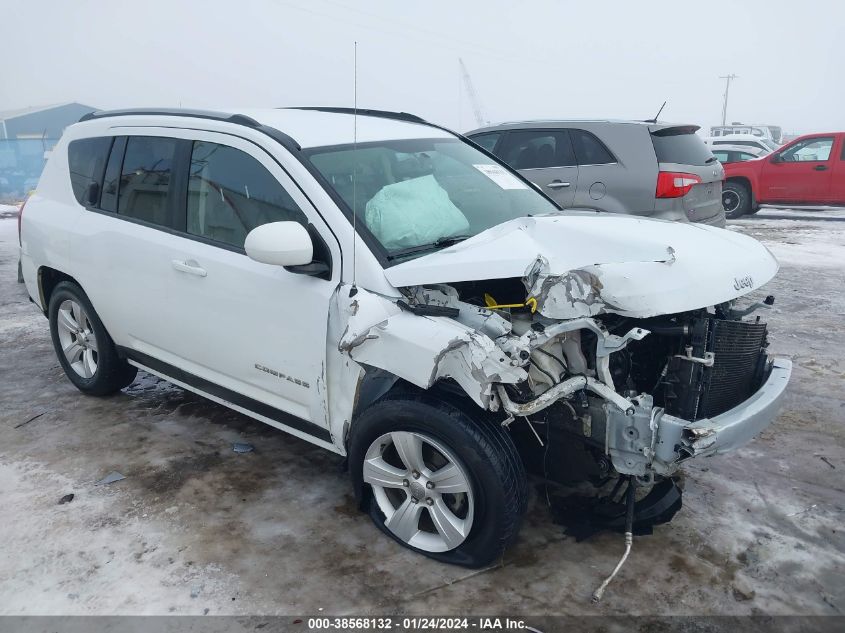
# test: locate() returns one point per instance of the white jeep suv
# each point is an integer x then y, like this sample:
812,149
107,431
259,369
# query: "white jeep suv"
460,332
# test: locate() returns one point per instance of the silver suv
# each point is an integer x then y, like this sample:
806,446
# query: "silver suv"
635,167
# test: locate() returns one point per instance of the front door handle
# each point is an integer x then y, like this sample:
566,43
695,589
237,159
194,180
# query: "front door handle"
820,167
189,266
557,184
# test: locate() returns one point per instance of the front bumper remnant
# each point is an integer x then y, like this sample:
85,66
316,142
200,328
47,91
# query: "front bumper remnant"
679,439
652,441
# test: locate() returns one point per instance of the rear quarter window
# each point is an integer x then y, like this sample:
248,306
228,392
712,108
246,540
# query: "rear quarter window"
86,162
589,149
680,145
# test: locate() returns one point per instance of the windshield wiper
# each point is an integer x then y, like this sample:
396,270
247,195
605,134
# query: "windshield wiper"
710,160
440,242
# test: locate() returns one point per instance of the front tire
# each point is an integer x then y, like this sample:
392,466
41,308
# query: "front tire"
85,350
436,480
736,200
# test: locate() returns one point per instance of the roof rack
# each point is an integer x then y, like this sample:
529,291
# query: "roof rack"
382,114
240,119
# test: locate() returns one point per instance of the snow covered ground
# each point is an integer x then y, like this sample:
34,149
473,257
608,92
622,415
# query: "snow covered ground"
195,528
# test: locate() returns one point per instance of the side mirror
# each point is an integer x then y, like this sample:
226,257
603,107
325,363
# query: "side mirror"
280,244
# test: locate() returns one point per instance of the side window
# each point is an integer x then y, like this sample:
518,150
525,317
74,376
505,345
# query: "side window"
538,149
144,192
812,149
86,162
487,141
721,155
746,156
589,149
230,193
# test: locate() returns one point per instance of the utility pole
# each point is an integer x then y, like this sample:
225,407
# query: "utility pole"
727,79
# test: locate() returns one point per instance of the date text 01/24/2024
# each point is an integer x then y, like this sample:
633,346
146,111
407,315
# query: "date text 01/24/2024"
416,624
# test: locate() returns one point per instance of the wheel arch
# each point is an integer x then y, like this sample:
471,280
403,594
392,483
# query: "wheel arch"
444,391
48,279
745,182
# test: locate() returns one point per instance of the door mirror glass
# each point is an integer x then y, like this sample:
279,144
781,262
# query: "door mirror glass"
280,244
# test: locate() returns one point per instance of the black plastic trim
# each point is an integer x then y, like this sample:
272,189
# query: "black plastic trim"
225,117
240,400
381,114
239,119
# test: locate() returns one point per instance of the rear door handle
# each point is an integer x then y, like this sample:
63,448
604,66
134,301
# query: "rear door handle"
557,184
820,167
190,266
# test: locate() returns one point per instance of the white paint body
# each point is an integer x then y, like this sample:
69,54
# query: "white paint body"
217,315
646,267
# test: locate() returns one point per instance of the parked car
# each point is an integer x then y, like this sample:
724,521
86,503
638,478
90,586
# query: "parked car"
647,169
810,170
749,141
401,298
736,153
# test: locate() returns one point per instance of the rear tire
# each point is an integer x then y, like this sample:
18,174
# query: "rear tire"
85,350
486,510
736,200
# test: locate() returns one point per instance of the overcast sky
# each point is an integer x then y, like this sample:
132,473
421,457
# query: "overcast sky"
527,59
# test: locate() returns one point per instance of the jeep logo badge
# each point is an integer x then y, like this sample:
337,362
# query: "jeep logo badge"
745,282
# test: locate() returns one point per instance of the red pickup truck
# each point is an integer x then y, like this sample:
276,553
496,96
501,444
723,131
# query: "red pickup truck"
807,171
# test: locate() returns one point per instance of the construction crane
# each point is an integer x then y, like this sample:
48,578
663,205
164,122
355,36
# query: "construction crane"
477,109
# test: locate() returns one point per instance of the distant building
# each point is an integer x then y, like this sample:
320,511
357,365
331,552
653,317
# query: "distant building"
41,121
26,137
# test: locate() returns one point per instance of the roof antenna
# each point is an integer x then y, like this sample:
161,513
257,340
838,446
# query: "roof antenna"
354,289
654,120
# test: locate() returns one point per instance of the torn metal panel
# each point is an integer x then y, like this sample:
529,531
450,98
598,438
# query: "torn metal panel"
574,294
369,330
423,350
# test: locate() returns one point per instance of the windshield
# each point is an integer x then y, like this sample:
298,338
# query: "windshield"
771,144
420,195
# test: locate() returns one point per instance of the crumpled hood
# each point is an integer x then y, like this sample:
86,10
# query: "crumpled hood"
584,263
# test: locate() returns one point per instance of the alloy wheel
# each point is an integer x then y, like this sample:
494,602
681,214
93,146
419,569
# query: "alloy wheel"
422,489
77,338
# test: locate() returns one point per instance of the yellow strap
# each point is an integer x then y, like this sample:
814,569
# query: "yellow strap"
492,305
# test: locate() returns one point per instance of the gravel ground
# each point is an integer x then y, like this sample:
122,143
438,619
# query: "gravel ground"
196,528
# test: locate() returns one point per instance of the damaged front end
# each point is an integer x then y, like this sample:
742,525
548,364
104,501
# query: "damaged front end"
582,364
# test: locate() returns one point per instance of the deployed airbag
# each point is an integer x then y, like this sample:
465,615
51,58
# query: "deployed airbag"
413,212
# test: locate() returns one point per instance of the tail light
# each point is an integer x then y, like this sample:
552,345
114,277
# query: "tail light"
675,184
20,217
